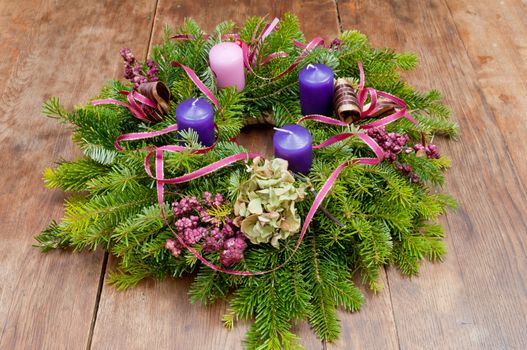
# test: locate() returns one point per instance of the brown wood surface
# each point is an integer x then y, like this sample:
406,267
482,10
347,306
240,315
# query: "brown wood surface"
474,51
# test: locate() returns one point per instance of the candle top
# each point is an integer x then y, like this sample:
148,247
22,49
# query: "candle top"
316,73
298,137
225,52
194,109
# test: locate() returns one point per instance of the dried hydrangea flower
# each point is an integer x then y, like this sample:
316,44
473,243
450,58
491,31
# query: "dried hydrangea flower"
265,207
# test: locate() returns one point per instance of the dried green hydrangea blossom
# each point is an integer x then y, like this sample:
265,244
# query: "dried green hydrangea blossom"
265,207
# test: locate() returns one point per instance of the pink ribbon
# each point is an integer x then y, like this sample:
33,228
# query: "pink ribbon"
254,46
362,96
132,96
340,137
196,80
306,48
142,135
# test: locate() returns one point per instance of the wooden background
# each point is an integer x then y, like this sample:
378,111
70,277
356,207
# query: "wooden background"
474,51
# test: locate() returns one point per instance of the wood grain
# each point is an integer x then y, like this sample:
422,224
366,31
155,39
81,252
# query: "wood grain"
500,66
50,48
474,51
476,299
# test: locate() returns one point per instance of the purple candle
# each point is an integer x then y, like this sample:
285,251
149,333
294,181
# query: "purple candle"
198,115
293,143
316,89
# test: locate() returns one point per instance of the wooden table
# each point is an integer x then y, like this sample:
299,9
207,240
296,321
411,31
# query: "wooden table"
474,51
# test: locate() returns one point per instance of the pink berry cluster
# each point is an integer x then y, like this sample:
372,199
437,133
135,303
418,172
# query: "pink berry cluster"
134,71
407,170
392,144
431,150
195,225
335,44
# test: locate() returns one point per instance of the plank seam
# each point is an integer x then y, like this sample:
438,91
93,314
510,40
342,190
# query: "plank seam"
339,19
150,40
97,301
393,310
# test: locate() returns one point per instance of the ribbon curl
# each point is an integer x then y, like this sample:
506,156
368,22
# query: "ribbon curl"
133,107
365,92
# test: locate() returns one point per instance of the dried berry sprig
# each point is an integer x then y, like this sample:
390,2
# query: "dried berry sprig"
430,150
392,144
194,224
135,72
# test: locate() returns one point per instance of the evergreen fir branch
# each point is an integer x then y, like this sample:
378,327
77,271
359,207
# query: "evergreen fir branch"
407,262
322,314
271,329
73,176
123,280
347,295
134,236
90,222
52,238
52,108
120,178
229,117
295,288
228,320
98,153
407,60
207,287
223,28
376,244
245,299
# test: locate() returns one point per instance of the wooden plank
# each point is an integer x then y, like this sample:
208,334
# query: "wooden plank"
373,327
500,66
50,48
476,299
162,311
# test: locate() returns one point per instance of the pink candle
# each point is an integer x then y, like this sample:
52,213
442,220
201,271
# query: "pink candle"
226,61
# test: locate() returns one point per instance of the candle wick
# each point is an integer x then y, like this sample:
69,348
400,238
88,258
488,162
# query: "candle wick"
284,130
194,102
311,66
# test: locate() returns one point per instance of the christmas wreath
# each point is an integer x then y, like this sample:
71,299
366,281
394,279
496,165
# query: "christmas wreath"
164,186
